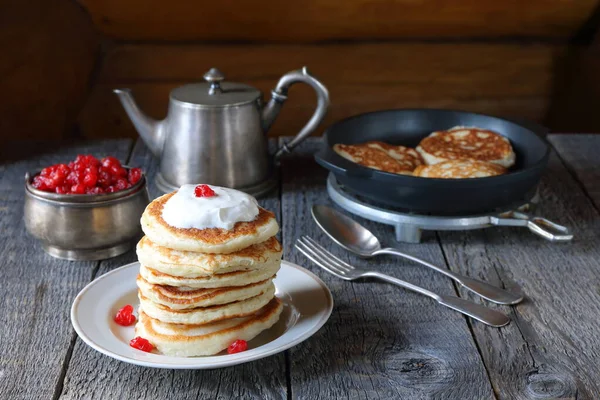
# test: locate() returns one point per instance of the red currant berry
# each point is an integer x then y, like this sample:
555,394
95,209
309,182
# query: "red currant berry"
204,191
121,184
141,344
40,182
135,174
46,171
91,161
110,161
125,316
237,346
94,190
62,190
90,179
78,188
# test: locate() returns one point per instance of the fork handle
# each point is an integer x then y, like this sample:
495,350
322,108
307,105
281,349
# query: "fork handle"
476,311
481,288
466,307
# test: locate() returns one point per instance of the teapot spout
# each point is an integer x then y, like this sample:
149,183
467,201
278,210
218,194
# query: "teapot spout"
150,130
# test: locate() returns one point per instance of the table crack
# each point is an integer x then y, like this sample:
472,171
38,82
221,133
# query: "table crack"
467,320
578,181
58,389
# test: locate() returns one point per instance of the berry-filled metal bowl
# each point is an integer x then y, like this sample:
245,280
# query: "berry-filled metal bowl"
85,226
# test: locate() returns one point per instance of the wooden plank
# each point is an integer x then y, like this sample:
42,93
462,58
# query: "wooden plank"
372,77
317,20
381,341
580,154
575,98
48,53
37,290
551,349
264,379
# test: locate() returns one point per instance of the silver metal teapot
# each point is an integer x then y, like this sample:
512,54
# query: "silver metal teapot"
215,132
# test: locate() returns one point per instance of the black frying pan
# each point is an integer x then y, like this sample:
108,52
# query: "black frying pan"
429,195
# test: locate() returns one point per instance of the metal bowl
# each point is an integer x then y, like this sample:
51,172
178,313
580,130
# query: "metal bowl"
85,227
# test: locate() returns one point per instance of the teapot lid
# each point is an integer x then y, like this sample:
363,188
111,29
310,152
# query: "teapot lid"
214,92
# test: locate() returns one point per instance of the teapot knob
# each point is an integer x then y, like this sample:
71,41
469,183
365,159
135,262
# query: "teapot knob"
214,77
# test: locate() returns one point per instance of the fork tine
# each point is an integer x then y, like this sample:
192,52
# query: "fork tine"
319,257
315,260
328,255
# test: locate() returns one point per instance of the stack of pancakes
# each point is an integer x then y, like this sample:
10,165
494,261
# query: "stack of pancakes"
202,289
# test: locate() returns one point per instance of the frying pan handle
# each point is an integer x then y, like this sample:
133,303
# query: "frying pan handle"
540,226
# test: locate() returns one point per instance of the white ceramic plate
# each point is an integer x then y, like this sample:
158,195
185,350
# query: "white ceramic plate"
307,306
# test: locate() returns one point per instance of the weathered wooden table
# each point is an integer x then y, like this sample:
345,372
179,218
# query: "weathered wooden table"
381,341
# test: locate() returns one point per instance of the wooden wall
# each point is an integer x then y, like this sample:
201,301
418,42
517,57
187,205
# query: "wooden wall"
512,58
48,53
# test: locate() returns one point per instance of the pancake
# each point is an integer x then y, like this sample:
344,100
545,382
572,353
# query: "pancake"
467,143
181,298
193,264
372,157
459,169
204,315
210,240
236,278
407,157
209,339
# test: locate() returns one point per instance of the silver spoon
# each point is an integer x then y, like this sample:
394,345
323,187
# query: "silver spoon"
359,240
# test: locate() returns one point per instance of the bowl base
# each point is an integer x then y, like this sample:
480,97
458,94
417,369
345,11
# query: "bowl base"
87,255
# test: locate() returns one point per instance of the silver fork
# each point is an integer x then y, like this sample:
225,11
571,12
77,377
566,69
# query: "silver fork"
330,263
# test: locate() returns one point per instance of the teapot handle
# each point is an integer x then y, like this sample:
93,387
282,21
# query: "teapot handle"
279,95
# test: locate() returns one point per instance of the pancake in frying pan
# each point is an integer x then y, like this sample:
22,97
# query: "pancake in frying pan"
381,156
459,169
467,143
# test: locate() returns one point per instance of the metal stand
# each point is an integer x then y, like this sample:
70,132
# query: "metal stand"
409,226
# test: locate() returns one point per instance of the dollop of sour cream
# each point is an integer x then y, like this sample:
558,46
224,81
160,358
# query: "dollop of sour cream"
224,210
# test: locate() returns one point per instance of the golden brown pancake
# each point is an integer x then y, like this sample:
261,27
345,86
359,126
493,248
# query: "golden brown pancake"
210,240
235,278
204,315
194,264
407,157
203,340
181,298
467,143
374,155
459,169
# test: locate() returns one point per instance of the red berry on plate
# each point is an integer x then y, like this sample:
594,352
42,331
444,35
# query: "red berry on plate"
125,316
204,191
135,174
237,346
141,344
